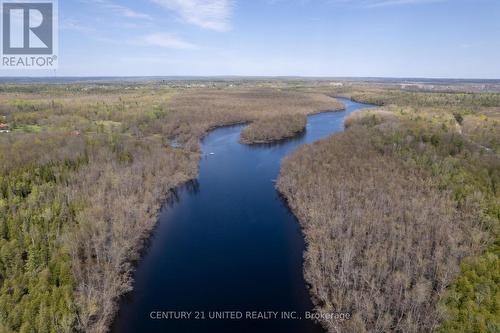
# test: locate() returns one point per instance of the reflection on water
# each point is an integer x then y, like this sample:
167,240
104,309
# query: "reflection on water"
227,242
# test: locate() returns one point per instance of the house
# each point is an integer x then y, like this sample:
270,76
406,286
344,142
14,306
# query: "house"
4,128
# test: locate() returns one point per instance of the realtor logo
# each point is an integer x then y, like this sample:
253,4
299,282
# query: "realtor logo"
29,34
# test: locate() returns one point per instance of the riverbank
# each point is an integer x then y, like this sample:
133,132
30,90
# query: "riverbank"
277,128
248,245
114,152
274,129
99,159
371,247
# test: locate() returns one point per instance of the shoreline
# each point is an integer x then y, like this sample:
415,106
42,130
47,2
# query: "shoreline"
291,135
169,198
300,220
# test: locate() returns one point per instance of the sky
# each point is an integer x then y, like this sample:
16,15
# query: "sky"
320,38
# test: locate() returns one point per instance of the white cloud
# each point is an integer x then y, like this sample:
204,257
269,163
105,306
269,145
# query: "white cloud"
121,10
72,24
381,3
384,3
207,14
166,40
127,12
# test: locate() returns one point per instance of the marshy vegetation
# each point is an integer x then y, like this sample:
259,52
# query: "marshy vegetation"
401,214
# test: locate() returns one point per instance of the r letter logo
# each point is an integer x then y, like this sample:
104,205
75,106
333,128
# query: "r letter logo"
29,34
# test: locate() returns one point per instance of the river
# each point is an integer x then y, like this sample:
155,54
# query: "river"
228,244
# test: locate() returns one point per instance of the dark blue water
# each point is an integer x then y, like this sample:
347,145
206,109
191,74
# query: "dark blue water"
228,243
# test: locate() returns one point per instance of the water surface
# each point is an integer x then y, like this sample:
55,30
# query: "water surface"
228,243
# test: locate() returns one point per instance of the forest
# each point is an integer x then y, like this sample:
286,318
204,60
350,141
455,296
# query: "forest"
84,170
268,130
401,213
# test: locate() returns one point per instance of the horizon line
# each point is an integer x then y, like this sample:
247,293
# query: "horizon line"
229,77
